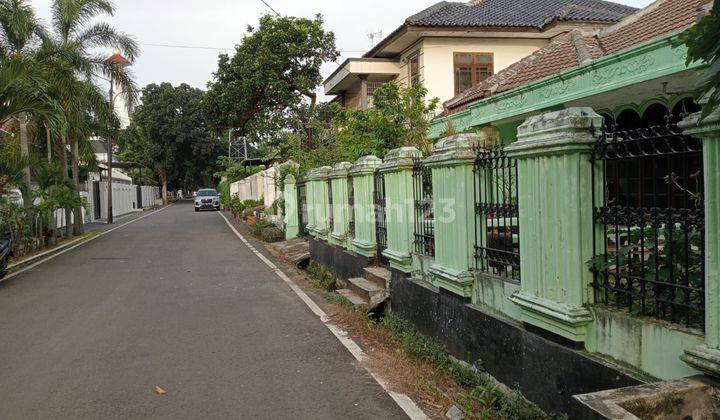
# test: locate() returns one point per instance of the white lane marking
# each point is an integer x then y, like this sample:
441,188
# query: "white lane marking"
402,400
103,233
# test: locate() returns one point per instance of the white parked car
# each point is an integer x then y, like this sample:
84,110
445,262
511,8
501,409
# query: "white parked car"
207,199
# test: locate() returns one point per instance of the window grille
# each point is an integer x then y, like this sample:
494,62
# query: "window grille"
649,256
423,203
380,215
497,240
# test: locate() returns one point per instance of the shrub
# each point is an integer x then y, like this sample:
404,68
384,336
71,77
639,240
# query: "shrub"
321,277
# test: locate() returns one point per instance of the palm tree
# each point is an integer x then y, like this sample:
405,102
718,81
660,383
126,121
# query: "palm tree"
19,29
75,35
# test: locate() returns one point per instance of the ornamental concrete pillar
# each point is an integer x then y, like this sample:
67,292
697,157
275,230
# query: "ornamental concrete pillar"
291,210
399,206
319,205
362,173
453,201
339,209
707,356
556,219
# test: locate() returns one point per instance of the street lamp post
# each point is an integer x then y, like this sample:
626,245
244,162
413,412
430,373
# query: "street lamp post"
118,60
109,157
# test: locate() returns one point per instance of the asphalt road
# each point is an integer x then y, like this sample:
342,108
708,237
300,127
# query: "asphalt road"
174,300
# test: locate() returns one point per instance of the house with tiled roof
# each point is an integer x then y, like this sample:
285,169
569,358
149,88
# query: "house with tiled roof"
564,228
594,55
607,123
452,46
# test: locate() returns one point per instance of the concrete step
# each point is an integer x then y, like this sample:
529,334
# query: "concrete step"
356,300
368,290
378,275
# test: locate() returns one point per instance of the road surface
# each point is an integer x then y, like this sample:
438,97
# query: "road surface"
173,300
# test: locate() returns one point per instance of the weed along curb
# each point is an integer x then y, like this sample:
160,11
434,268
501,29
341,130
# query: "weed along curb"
24,262
450,384
35,260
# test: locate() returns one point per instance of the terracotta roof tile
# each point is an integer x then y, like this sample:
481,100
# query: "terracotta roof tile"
574,48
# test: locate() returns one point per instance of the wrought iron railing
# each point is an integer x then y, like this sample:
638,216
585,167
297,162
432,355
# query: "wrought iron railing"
649,246
423,203
380,215
302,208
497,233
351,207
330,206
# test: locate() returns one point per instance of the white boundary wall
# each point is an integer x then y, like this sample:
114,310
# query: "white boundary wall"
124,197
149,196
257,186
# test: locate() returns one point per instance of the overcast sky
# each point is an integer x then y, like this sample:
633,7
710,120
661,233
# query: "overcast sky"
220,24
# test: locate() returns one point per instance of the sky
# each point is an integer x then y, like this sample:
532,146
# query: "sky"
217,25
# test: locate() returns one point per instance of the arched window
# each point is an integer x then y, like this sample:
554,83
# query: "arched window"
628,120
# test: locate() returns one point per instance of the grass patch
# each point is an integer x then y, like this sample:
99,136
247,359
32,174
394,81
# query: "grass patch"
481,398
337,299
426,371
321,278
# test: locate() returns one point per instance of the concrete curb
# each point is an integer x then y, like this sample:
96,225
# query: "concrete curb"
411,409
15,269
18,265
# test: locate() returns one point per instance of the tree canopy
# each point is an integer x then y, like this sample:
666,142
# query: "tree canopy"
169,134
399,117
277,65
703,42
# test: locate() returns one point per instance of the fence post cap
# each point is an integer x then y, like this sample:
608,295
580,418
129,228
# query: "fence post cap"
569,129
290,179
695,125
454,149
340,170
400,158
319,174
575,118
365,165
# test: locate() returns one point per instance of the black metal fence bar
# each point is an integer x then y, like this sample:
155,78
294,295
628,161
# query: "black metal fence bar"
380,215
497,240
424,215
650,257
351,206
302,207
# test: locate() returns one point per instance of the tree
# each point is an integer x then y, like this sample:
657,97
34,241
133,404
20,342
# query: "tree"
169,134
703,42
399,117
76,33
20,28
277,65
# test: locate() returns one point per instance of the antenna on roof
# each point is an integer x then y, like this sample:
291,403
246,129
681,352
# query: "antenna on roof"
374,35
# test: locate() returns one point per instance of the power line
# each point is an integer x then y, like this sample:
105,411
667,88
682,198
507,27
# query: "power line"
270,7
200,47
193,47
